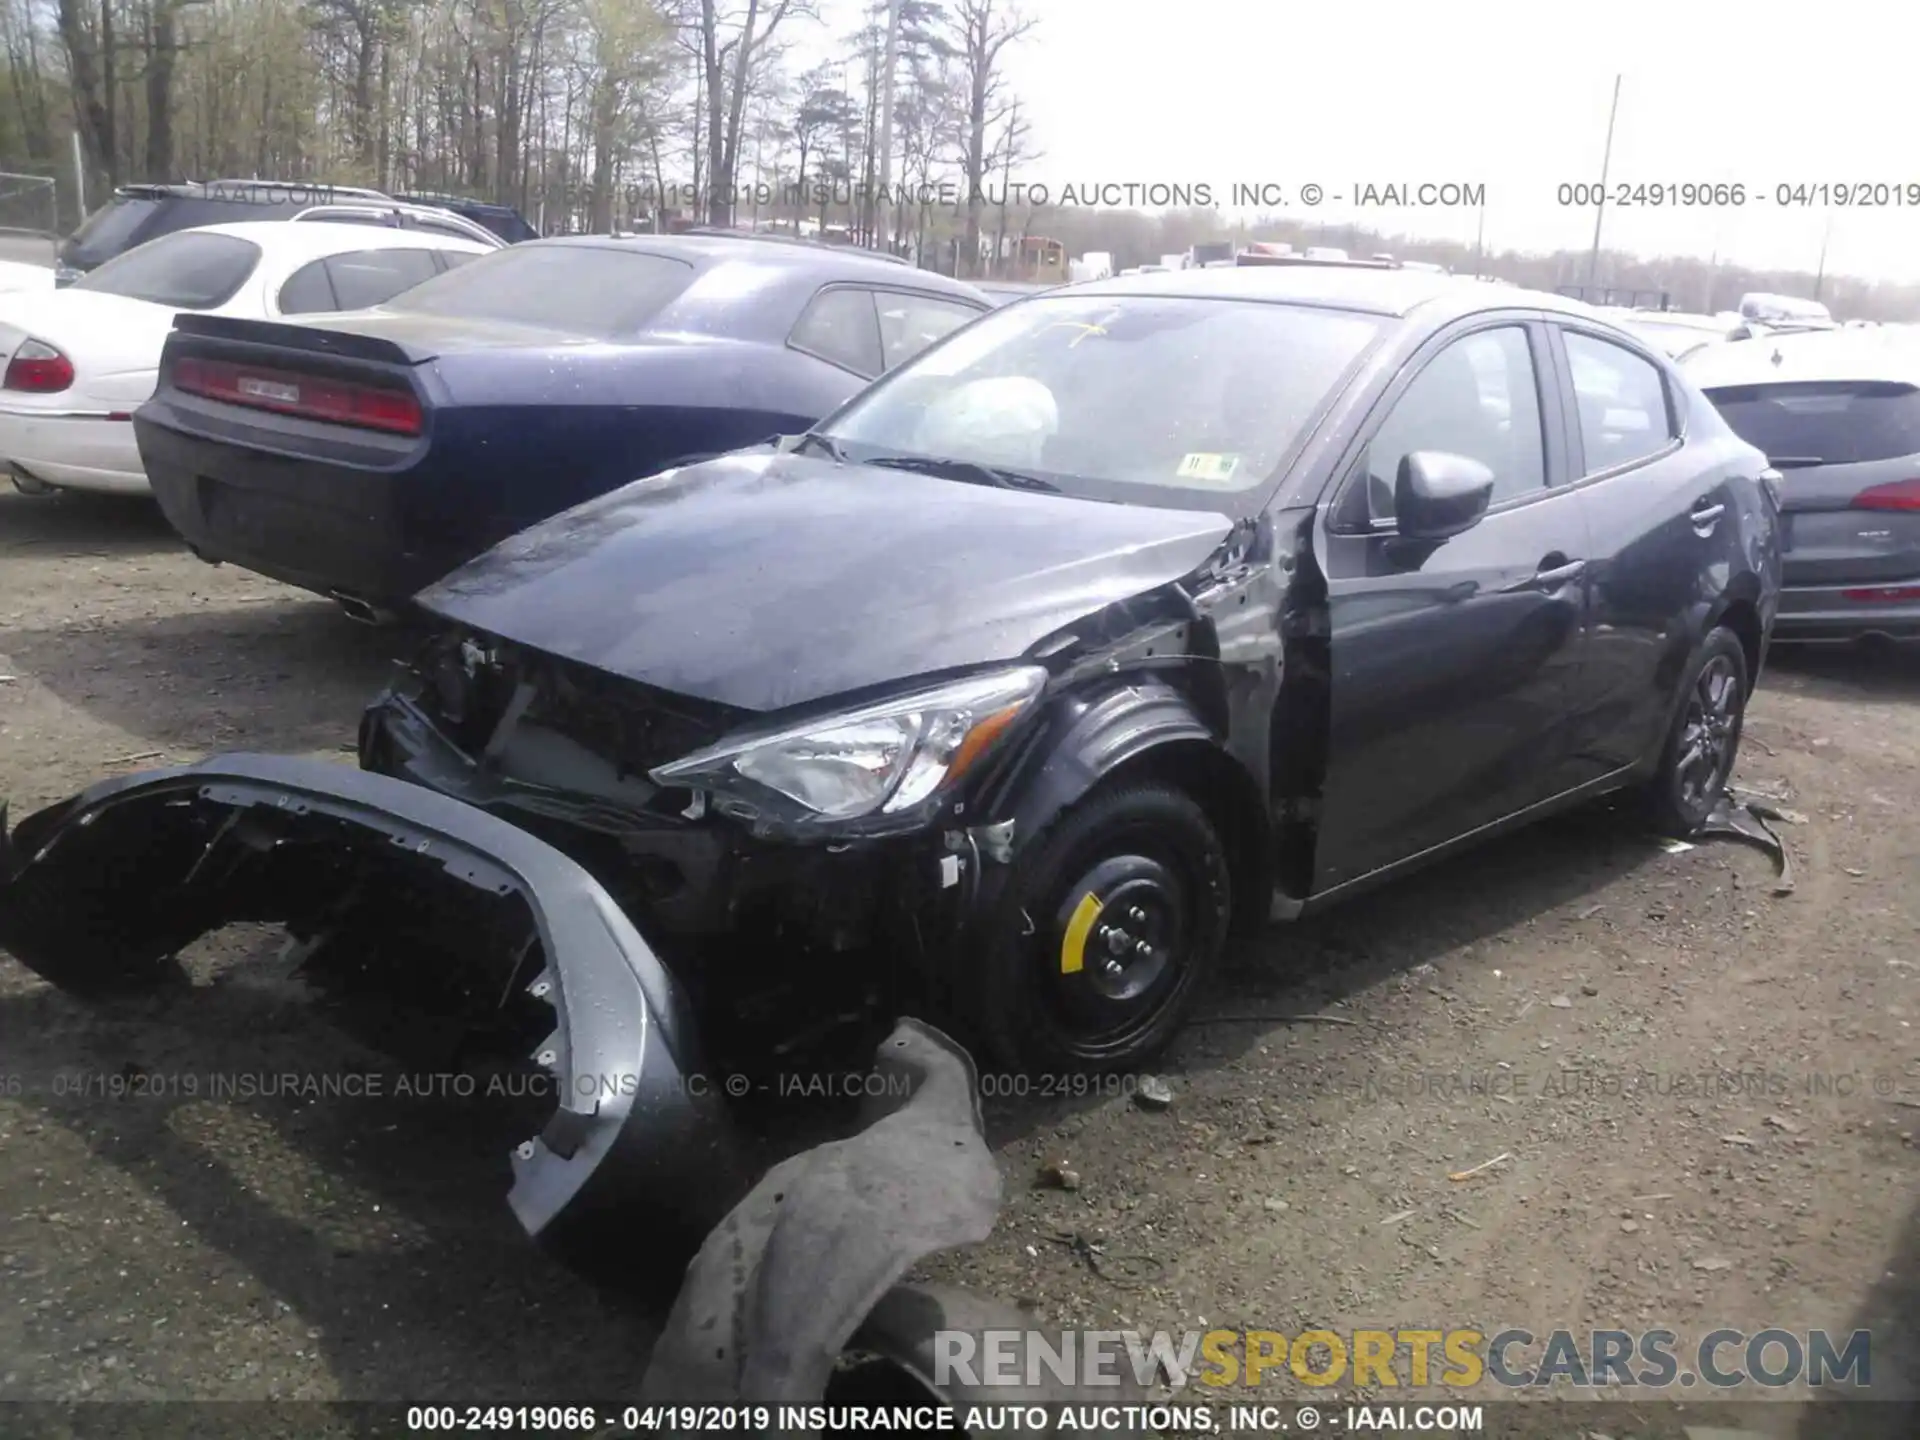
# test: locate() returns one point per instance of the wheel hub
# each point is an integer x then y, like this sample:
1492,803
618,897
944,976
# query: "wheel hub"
1130,927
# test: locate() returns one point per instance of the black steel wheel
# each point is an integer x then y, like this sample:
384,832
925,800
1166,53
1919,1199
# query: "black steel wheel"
1113,918
1705,740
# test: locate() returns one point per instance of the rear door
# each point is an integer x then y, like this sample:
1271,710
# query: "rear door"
1454,662
1850,452
1660,515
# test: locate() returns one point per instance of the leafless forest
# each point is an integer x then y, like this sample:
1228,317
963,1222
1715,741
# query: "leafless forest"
597,114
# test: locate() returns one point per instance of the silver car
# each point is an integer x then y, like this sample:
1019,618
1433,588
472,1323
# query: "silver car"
1838,414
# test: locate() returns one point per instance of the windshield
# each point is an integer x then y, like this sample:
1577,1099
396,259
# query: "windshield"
1143,398
188,270
587,290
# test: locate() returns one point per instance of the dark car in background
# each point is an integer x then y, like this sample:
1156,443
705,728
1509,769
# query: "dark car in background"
366,455
1838,414
503,220
1131,612
139,213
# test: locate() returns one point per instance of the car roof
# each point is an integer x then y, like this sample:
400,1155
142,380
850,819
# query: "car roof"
1344,287
325,237
1811,356
771,253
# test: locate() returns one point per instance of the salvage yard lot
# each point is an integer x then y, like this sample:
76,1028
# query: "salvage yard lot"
1573,999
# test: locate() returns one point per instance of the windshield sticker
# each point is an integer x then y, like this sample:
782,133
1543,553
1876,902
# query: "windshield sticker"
1217,469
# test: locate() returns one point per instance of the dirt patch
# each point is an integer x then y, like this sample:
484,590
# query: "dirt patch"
1705,1094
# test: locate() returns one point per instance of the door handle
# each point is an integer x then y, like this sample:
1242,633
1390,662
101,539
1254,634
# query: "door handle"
1705,515
1554,572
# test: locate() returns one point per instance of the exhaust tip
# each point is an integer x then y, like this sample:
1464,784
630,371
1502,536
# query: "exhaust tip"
27,483
364,611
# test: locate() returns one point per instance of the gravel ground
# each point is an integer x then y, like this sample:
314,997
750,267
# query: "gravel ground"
1570,999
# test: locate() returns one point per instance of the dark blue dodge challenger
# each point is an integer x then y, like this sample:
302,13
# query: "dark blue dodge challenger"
368,455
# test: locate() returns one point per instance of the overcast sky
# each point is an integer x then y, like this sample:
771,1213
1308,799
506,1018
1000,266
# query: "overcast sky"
1510,95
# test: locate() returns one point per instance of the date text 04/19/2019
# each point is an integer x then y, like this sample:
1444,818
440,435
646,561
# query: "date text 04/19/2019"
1722,195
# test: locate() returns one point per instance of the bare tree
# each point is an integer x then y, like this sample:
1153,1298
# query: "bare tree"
90,68
979,31
733,45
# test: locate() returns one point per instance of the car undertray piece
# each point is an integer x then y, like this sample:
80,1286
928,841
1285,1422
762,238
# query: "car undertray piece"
800,1284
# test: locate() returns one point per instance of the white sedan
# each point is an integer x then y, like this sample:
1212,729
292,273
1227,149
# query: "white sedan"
78,361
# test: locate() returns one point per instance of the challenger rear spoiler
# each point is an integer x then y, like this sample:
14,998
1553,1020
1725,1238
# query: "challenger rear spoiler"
314,338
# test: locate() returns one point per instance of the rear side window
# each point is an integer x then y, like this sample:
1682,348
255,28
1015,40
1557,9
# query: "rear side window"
365,278
1622,400
910,323
1825,423
588,290
841,327
308,291
354,281
188,271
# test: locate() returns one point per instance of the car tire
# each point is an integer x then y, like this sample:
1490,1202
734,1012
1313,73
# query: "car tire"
1698,757
1112,919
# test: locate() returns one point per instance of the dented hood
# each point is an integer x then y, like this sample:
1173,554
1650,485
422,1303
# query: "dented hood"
762,581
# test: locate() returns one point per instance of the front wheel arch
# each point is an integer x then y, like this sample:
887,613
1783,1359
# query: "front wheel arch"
1135,731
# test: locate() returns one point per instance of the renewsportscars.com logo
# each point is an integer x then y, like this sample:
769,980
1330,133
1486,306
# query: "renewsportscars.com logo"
1721,1359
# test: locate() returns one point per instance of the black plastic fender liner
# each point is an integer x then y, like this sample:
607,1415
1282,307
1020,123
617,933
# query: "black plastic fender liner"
99,891
784,1282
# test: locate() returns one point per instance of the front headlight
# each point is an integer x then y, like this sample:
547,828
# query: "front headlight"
873,768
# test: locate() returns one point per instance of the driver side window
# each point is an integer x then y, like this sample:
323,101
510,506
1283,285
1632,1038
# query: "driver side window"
1479,397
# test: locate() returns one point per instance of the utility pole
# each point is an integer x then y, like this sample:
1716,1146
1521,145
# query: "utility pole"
888,65
1606,163
1480,239
1820,274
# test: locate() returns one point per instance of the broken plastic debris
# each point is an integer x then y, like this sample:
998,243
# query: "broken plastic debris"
1745,819
1153,1094
1485,1165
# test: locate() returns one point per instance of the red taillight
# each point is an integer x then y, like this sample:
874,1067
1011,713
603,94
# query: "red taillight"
312,397
1883,594
38,369
1899,495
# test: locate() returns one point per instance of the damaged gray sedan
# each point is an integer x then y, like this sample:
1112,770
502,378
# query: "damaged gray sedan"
1127,614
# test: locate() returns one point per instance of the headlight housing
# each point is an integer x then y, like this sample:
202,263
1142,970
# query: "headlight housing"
880,768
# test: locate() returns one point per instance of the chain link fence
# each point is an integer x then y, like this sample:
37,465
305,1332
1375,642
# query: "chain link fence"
30,227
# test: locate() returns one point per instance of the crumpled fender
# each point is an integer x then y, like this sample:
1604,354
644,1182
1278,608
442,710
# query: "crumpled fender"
781,1285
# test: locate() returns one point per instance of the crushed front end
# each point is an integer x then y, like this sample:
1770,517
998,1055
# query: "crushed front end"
773,933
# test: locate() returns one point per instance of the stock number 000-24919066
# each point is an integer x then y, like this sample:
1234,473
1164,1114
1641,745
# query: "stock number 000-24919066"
586,1419
1670,194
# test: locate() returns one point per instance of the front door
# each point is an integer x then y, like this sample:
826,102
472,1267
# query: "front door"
1453,661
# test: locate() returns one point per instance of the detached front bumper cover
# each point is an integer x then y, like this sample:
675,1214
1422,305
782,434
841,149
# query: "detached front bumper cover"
100,892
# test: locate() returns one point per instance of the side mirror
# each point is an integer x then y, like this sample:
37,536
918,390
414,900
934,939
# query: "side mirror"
787,444
1437,494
